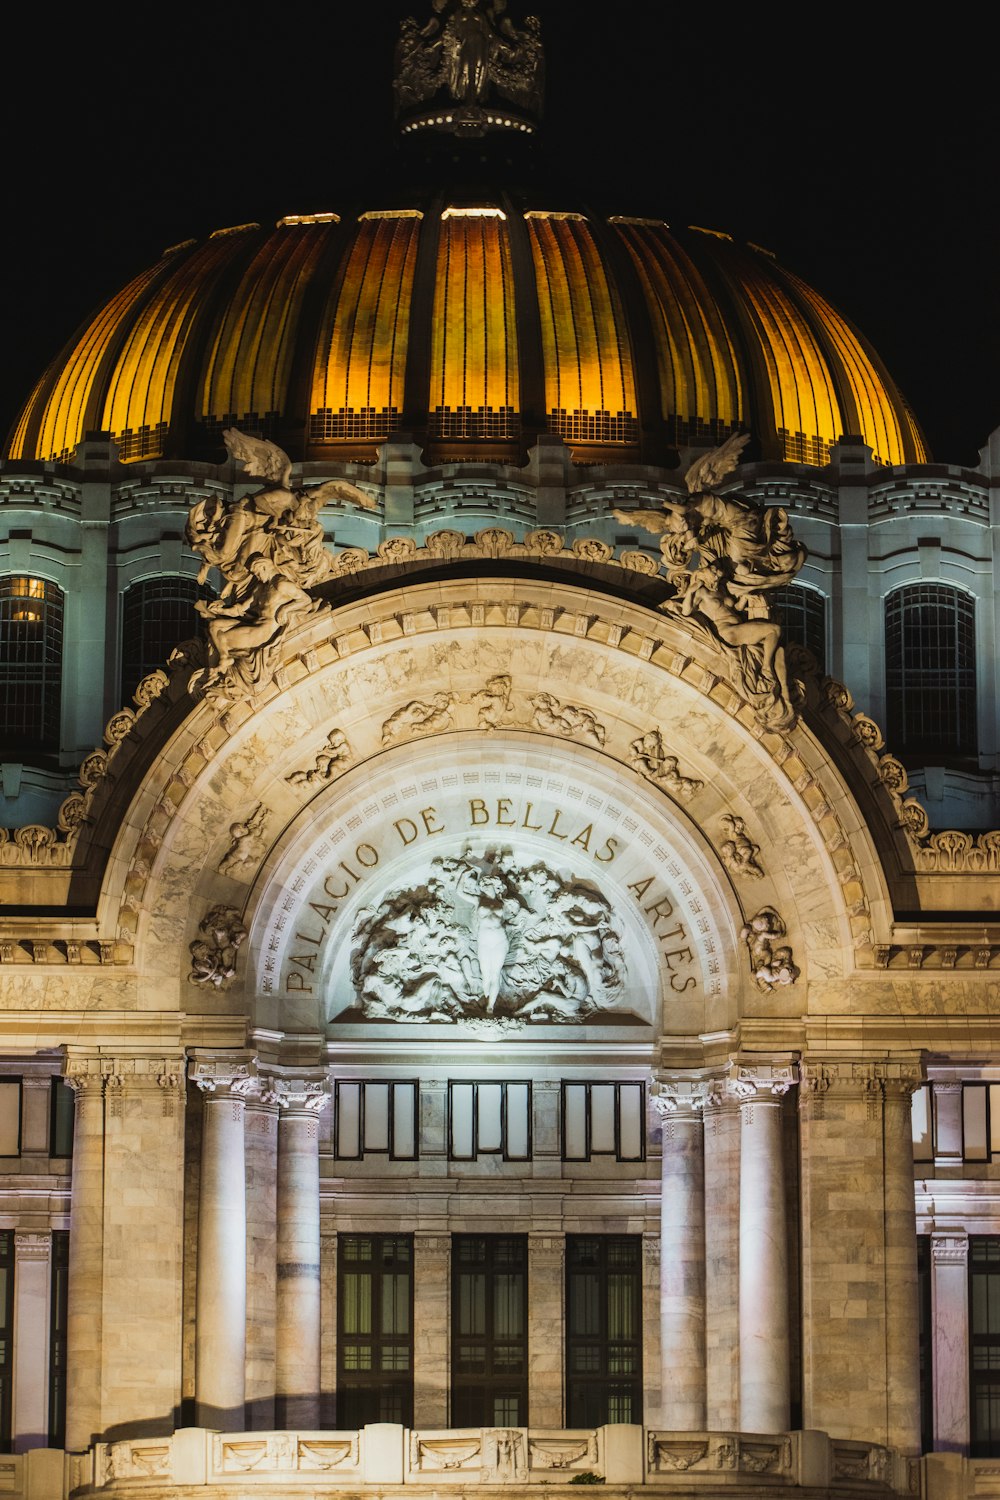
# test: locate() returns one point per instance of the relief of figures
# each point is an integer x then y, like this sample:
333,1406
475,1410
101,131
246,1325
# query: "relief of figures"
333,757
477,48
648,755
725,557
739,852
270,549
484,935
770,965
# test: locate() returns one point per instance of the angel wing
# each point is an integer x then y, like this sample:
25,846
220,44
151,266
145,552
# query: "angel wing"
654,521
711,469
261,459
338,489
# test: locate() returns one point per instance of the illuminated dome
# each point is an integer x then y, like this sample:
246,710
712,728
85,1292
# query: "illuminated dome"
474,326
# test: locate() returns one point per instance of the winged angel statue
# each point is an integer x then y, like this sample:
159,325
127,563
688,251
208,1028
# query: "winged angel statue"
725,557
270,549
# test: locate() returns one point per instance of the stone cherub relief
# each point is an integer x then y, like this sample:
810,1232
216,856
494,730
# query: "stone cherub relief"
724,558
469,48
482,936
330,760
248,845
770,965
739,852
648,755
270,549
221,934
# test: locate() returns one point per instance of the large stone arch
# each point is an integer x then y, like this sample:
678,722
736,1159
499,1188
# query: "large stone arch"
507,673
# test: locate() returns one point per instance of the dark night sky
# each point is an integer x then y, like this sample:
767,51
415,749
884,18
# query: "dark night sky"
847,140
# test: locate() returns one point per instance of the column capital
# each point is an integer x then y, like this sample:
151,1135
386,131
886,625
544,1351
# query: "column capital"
37,1080
681,1095
753,1077
950,1249
301,1095
32,1244
224,1073
888,1076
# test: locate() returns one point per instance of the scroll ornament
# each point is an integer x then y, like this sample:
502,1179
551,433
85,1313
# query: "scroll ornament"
725,557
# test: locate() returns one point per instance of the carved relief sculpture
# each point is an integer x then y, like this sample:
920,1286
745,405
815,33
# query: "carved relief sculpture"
493,702
485,935
334,755
213,953
649,757
249,845
771,966
270,550
477,49
739,852
724,558
567,719
419,718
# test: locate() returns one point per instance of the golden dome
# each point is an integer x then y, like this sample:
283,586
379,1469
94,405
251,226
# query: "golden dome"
474,328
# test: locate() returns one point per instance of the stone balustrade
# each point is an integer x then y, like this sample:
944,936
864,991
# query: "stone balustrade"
384,1456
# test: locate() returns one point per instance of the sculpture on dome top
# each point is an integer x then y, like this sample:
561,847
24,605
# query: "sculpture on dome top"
725,557
474,48
270,549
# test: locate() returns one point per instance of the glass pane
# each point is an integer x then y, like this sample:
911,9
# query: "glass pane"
395,1303
602,1119
585,1305
461,1121
10,1117
490,1096
994,1118
575,1121
920,1119
349,1120
974,1121
376,1117
404,1121
621,1307
357,1302
518,1121
508,1321
472,1303
631,1136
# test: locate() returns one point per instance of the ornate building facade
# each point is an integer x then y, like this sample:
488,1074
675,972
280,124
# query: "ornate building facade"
493,1007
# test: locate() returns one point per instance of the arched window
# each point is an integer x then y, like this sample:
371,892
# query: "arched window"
157,615
31,636
930,671
801,613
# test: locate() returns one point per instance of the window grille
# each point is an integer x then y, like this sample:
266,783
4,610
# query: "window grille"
603,1119
984,1338
489,1119
374,1329
801,613
31,641
372,1118
603,1329
930,670
489,1369
157,614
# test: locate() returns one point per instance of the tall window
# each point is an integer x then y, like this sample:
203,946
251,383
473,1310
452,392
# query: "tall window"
6,1335
984,1331
801,613
31,637
603,1119
375,1329
157,615
61,1119
489,1320
57,1338
375,1119
489,1119
930,670
603,1329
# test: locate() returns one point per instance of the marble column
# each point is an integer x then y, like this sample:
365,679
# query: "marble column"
261,1144
32,1287
763,1301
297,1333
546,1313
86,1255
679,1101
220,1335
950,1341
431,1310
722,1258
902,1327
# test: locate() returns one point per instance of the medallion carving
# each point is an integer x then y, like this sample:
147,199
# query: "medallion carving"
484,936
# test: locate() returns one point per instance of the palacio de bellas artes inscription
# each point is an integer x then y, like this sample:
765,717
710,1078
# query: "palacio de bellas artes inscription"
494,1008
